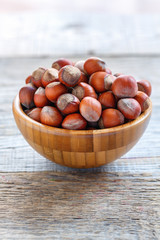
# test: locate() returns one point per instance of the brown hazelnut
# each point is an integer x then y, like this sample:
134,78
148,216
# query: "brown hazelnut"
143,100
124,86
130,108
51,116
50,75
74,121
107,99
34,113
90,108
70,75
111,118
26,95
68,103
61,62
94,64
54,90
37,76
40,98
145,86
83,90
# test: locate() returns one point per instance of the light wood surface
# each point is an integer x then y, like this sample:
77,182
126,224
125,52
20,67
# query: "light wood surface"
119,206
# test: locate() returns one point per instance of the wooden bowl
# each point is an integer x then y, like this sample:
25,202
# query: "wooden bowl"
80,148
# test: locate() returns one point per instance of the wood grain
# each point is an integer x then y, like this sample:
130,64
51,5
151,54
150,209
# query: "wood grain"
80,206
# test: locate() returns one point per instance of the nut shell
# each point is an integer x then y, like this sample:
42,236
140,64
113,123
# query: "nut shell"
145,86
40,98
83,90
130,108
124,86
68,103
37,77
34,113
143,100
70,75
29,79
61,62
96,80
101,81
50,116
107,99
80,65
111,118
54,90
74,122
94,64
50,75
90,108
26,95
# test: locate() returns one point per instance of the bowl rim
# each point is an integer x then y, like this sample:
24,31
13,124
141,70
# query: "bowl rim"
16,106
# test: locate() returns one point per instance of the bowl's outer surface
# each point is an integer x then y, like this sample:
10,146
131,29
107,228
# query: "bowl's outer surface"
80,148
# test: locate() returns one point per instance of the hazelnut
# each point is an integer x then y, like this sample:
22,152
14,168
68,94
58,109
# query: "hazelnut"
94,64
26,95
29,79
143,100
54,90
61,62
83,90
51,116
130,108
124,86
40,98
90,108
70,75
37,76
80,65
74,121
108,80
101,81
144,86
107,99
50,75
111,118
68,103
84,77
34,113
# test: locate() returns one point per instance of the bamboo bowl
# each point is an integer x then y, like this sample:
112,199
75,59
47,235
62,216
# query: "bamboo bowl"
80,148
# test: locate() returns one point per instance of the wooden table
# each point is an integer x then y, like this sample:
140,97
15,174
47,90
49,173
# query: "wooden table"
42,200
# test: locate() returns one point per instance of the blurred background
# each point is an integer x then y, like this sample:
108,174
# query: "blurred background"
71,28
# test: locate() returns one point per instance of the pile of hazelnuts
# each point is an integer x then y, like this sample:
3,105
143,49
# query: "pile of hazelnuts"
83,95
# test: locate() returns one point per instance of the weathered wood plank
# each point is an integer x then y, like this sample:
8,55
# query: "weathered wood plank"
80,206
17,155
